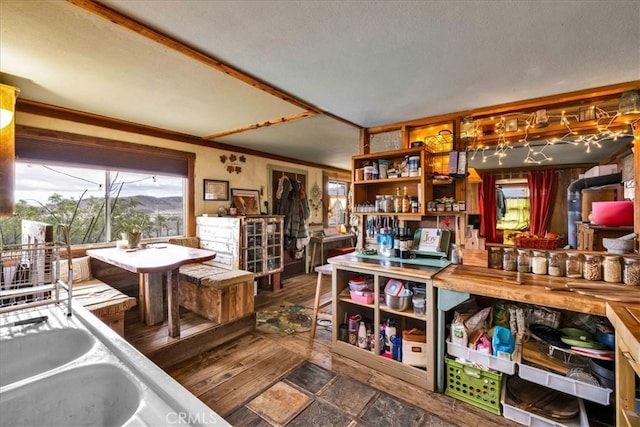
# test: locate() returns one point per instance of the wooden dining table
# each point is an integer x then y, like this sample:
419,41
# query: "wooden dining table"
151,264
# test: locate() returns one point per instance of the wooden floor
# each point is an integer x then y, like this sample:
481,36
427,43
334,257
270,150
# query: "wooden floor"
232,374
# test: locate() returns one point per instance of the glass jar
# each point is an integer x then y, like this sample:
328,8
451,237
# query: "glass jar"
592,267
456,254
573,265
495,257
379,206
612,269
631,271
556,264
539,262
524,261
388,203
509,259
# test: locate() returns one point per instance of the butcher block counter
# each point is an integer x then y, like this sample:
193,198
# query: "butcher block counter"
523,287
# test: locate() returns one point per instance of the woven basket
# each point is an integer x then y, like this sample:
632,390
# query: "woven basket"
536,243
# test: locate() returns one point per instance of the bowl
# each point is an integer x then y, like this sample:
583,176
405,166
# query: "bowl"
399,302
618,246
612,214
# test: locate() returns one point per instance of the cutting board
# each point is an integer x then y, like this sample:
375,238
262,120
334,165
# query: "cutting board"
531,354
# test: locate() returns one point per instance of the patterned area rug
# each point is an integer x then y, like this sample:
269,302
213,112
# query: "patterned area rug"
285,318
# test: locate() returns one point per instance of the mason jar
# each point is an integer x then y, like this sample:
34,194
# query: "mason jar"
524,261
631,271
592,267
556,264
573,265
495,257
509,260
539,262
612,269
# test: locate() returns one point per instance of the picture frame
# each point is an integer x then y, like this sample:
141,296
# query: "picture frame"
247,201
215,190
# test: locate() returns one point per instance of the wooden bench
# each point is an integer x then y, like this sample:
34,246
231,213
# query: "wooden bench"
105,302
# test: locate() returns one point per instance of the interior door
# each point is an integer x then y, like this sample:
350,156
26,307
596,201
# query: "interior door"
292,266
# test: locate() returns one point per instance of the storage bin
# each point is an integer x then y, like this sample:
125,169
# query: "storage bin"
491,362
363,297
472,385
414,348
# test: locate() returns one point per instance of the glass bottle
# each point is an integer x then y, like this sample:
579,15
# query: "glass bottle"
592,267
456,254
631,271
573,265
556,264
524,261
539,262
397,202
406,202
495,257
509,262
612,269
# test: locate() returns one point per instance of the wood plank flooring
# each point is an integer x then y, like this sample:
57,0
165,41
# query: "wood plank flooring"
232,374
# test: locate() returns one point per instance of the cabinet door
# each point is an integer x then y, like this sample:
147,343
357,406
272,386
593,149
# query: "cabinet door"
254,240
275,261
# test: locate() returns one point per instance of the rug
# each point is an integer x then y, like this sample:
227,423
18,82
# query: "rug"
285,318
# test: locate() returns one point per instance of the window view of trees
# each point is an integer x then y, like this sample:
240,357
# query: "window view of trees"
97,205
337,210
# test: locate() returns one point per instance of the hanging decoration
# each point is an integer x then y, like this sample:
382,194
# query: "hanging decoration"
234,162
315,201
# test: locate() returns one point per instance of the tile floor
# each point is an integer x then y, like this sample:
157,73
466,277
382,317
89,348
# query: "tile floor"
313,396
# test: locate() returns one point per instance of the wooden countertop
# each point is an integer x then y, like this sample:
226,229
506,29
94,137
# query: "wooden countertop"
523,287
625,319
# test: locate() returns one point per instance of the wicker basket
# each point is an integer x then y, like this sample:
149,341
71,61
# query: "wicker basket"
536,243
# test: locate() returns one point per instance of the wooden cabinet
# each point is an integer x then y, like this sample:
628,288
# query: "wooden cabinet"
590,236
376,312
253,244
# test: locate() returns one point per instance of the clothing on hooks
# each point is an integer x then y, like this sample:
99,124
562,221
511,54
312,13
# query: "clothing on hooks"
501,203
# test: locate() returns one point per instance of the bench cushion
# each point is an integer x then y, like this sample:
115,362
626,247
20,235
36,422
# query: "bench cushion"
81,269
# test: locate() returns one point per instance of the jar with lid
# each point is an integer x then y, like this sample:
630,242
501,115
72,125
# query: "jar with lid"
539,262
556,264
612,269
573,265
509,259
631,271
379,206
524,261
388,203
495,257
592,267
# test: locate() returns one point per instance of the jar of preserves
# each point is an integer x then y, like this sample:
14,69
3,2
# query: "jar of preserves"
631,271
592,267
495,257
509,259
524,261
573,265
539,262
556,264
612,269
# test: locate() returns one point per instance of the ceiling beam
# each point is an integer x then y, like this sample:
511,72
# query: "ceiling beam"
285,119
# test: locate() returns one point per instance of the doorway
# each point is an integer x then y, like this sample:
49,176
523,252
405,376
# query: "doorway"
294,264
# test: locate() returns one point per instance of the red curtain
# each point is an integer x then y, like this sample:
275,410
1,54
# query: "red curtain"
488,208
542,191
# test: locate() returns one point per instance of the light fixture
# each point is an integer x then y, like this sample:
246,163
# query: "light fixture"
8,95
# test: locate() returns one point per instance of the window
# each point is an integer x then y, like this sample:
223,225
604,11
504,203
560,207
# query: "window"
337,210
100,187
97,204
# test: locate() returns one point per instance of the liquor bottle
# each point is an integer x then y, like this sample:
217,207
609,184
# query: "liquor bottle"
406,202
233,210
397,202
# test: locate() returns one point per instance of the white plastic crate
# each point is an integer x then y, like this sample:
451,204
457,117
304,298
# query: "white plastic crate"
483,359
567,385
512,412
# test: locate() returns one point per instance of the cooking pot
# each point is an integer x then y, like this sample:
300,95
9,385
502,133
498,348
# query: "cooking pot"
612,214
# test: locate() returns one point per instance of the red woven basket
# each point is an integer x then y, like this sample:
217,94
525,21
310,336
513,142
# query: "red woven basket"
536,243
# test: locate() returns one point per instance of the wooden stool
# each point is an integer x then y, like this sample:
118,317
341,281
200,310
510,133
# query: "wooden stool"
326,269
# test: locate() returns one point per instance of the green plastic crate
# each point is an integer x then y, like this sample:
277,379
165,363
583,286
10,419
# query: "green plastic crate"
475,386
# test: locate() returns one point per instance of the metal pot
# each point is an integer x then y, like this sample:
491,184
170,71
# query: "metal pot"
400,302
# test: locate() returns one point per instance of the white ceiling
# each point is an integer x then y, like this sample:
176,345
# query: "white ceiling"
367,62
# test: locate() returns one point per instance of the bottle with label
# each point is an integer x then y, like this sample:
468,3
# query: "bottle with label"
397,202
233,210
390,333
406,202
362,335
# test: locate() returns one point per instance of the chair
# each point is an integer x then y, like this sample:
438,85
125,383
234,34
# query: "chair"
327,270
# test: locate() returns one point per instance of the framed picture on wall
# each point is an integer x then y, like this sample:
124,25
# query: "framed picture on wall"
216,190
247,201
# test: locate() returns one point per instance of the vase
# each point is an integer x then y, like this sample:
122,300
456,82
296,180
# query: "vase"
133,239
